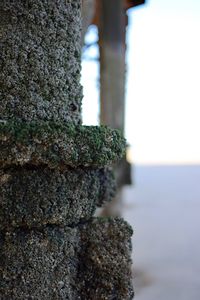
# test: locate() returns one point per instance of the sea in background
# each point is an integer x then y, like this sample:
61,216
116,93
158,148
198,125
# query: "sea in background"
163,206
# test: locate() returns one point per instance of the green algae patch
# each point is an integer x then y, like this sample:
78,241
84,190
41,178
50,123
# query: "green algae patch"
59,144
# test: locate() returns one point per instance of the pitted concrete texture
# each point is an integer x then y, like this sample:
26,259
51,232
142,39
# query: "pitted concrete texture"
105,265
88,262
39,264
36,197
52,172
40,60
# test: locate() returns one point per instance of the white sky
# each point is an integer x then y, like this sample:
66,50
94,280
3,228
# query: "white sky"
163,87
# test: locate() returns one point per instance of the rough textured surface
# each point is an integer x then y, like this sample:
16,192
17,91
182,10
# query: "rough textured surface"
51,175
105,265
59,144
39,264
36,197
88,262
40,60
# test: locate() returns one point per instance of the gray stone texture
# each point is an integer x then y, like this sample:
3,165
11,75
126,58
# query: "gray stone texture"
87,262
39,264
53,171
105,265
40,60
36,197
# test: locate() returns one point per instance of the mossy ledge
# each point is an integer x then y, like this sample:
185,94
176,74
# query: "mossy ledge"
58,144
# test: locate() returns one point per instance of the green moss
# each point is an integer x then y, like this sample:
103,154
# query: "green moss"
58,143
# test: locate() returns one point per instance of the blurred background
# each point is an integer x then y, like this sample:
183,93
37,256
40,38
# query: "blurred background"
140,74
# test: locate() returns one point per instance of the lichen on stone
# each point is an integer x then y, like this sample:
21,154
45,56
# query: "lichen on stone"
58,144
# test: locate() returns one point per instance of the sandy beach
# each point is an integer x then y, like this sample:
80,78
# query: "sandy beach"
164,209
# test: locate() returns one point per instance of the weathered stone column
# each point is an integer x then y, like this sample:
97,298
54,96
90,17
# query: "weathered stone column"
53,171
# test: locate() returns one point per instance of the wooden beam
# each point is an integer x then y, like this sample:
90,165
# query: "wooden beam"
112,28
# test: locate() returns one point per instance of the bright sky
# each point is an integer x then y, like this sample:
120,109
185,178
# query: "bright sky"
163,87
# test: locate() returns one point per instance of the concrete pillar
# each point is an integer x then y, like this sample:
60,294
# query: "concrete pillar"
54,171
40,60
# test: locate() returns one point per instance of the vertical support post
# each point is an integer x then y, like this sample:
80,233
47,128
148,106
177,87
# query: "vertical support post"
112,62
112,44
88,10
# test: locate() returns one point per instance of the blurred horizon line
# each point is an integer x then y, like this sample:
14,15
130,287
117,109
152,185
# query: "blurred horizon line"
161,161
164,164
